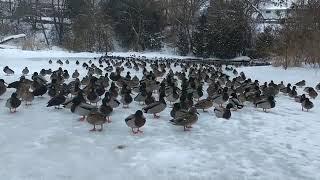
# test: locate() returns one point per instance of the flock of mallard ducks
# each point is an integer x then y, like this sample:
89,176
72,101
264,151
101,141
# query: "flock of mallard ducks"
103,88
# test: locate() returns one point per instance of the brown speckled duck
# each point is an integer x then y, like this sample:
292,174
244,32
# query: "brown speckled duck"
96,118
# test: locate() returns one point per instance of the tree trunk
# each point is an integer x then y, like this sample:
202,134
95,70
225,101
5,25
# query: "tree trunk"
44,33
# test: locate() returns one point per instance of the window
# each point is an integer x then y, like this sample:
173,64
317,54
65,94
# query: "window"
268,11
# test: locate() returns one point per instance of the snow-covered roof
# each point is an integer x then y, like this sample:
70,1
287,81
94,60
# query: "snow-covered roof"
276,5
12,37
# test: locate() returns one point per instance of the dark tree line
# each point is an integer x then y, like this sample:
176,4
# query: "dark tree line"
204,28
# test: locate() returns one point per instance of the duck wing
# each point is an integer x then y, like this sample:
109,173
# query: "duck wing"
237,103
181,113
15,85
150,106
180,121
219,112
130,121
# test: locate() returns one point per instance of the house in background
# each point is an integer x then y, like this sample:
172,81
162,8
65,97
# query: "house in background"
273,13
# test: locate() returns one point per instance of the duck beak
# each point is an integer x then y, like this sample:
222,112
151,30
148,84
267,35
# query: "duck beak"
198,113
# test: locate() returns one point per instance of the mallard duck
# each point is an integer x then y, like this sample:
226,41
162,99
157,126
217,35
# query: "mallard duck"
156,107
307,104
149,99
281,85
8,71
300,84
57,100
136,121
59,62
141,96
100,90
313,94
198,93
27,96
286,90
114,90
174,96
271,91
93,96
187,119
13,103
293,92
106,110
52,91
96,118
204,104
110,100
176,107
79,106
126,99
128,77
307,89
235,72
318,87
212,89
234,100
25,71
75,74
300,98
221,98
186,102
3,87
66,74
223,112
265,104
40,91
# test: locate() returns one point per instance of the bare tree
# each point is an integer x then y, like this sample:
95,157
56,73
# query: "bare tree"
59,14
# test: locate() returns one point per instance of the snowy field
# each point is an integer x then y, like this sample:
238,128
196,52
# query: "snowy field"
40,143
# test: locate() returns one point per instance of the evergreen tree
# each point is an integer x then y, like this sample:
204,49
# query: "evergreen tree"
182,44
265,43
229,28
200,35
137,23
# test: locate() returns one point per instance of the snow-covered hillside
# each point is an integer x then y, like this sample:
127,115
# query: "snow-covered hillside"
44,143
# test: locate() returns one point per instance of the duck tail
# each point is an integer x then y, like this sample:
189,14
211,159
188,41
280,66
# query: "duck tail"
172,121
239,106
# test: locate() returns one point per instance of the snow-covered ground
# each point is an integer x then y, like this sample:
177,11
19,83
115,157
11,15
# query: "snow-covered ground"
12,52
44,143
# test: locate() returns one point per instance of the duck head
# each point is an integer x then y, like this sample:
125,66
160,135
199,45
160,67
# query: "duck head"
2,81
138,113
14,95
271,98
176,106
229,106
